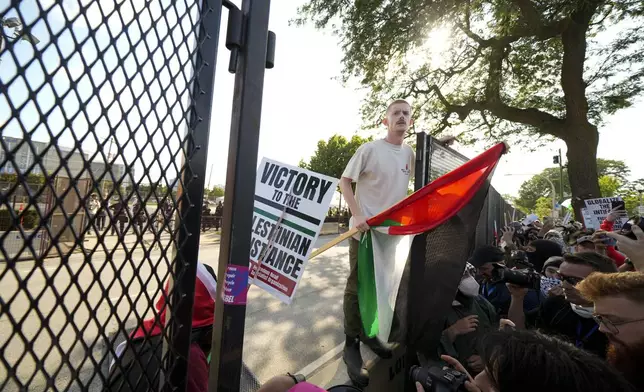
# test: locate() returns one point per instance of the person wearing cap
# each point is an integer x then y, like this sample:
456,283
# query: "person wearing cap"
485,259
551,267
569,315
555,236
470,318
136,365
585,243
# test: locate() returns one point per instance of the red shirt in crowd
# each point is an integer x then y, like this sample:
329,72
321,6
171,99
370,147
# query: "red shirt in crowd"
611,252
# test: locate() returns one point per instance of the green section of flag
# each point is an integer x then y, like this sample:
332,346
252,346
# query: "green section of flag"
367,296
389,222
285,222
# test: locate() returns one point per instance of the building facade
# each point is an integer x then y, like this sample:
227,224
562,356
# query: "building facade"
75,160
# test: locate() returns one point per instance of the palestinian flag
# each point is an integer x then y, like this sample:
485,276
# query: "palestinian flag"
384,249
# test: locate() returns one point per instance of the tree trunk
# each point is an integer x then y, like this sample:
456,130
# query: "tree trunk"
582,166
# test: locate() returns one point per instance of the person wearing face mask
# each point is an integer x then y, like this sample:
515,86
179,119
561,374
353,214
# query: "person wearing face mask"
470,318
569,315
540,251
551,267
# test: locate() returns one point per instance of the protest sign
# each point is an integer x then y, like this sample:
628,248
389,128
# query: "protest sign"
598,209
530,219
290,206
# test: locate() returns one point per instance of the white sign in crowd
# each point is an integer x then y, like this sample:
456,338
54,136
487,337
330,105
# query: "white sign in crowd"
598,209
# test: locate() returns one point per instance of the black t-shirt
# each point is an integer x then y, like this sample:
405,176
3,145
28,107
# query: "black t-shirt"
555,317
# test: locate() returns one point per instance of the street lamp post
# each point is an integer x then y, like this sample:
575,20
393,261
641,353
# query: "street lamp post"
553,190
554,195
640,189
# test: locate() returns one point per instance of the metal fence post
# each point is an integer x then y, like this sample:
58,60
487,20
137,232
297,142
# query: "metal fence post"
191,190
421,172
228,333
417,252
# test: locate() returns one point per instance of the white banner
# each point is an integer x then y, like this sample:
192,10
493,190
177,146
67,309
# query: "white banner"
290,206
598,209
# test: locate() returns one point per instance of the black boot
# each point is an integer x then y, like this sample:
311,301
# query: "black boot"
352,358
383,350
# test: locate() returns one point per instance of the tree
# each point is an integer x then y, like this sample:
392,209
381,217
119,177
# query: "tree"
144,190
331,156
609,186
512,70
215,192
543,207
18,32
631,195
537,186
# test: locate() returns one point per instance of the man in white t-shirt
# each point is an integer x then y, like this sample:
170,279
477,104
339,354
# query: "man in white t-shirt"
382,170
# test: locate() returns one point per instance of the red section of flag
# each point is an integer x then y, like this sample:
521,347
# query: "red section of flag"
441,199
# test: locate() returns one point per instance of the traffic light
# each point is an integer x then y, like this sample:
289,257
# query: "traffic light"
555,159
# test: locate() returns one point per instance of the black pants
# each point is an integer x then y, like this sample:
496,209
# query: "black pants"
100,222
352,319
121,224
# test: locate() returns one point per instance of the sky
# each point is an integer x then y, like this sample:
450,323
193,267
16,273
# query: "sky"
302,103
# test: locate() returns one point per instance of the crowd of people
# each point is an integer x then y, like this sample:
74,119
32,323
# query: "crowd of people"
584,310
548,308
527,306
104,216
210,218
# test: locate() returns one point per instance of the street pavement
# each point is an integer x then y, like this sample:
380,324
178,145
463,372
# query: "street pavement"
278,338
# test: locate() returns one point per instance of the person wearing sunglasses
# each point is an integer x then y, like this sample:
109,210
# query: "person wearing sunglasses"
619,311
569,315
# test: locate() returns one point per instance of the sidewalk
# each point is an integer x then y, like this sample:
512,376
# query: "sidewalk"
385,374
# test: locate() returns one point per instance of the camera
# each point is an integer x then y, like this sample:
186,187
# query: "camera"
437,379
527,278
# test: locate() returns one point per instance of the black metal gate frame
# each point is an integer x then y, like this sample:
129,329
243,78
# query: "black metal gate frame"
252,51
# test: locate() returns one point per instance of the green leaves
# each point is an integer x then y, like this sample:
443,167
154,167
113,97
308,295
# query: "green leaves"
612,175
11,22
29,38
331,156
387,47
18,33
609,186
214,192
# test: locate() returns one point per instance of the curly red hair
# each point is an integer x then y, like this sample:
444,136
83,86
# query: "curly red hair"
627,284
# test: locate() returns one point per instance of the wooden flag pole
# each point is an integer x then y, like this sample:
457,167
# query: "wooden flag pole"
333,242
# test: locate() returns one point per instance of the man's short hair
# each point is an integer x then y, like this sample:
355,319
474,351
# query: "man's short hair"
396,102
627,284
599,263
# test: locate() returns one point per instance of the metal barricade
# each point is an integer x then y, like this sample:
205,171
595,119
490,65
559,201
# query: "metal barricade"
108,104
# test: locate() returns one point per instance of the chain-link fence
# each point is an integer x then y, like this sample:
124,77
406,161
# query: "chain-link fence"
496,212
104,115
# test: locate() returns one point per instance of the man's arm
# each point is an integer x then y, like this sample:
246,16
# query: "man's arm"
516,313
360,221
352,173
